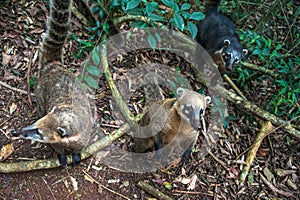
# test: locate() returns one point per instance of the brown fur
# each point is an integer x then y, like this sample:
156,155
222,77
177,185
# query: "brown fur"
63,105
164,122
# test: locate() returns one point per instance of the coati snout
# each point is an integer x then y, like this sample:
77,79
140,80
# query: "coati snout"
173,121
232,53
192,108
63,128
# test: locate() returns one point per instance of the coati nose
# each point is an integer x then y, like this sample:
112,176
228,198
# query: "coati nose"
15,133
196,124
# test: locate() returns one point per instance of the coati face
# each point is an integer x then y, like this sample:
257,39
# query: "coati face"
48,129
232,53
192,106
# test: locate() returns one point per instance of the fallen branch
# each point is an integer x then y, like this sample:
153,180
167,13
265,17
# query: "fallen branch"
259,69
218,160
114,90
53,163
273,188
248,106
266,128
231,83
15,89
153,191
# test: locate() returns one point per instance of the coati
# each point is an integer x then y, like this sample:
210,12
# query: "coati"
63,105
171,119
216,33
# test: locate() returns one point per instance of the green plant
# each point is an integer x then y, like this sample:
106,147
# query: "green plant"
88,80
285,98
169,13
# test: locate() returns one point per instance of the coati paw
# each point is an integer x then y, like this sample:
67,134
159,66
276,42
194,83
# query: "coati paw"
76,158
62,159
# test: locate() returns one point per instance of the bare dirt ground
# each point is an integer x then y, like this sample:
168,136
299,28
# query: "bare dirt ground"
22,24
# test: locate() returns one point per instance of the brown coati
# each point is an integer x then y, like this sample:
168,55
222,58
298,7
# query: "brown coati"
177,119
216,33
64,108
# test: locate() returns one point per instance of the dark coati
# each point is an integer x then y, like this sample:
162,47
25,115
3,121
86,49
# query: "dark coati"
63,105
172,119
216,33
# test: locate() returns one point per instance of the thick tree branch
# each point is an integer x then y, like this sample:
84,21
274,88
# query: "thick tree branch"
254,109
53,163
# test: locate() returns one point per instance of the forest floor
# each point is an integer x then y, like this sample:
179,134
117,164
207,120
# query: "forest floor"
210,176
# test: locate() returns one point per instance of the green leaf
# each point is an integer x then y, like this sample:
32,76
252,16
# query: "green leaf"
167,3
136,11
186,15
197,16
150,7
85,86
96,57
105,27
91,82
31,82
250,178
139,24
151,41
80,78
132,4
185,6
179,23
93,70
156,18
167,185
157,36
192,29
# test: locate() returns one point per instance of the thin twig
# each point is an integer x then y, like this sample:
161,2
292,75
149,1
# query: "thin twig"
231,83
153,191
108,189
273,188
196,193
15,89
218,160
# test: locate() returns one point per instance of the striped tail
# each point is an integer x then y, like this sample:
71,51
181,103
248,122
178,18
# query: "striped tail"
211,6
57,31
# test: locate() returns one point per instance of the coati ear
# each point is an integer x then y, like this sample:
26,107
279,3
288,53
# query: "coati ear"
179,92
227,42
208,99
245,51
62,132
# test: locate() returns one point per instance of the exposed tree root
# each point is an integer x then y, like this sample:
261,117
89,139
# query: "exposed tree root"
266,128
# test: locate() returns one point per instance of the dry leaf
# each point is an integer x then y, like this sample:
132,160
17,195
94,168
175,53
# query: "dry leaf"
12,108
6,151
74,183
193,182
183,180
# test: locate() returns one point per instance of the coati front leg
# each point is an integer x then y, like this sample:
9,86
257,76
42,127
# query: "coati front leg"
60,154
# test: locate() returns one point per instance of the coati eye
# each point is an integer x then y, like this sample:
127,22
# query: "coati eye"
227,56
236,60
62,132
201,113
188,109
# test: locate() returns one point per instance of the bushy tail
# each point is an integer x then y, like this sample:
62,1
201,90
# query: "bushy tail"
57,30
211,6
